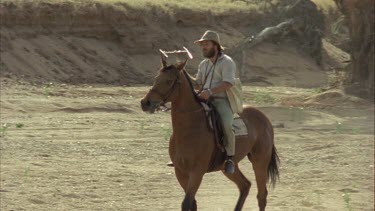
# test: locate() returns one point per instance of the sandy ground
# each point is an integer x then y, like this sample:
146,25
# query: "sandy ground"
68,147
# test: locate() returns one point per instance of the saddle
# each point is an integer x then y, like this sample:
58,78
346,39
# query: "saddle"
214,123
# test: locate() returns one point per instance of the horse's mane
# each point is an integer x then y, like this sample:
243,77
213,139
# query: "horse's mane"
192,81
191,78
166,68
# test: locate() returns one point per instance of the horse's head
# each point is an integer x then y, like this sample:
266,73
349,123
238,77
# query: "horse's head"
165,88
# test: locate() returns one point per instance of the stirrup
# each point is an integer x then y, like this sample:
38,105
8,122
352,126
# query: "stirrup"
229,166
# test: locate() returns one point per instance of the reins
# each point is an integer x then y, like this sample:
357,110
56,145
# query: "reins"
191,86
170,92
167,95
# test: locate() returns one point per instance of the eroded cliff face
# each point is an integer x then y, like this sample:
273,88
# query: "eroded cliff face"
94,43
118,44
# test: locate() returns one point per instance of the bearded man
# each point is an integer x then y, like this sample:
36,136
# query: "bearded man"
216,75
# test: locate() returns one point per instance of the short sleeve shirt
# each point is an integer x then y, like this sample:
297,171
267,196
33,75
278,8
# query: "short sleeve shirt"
224,70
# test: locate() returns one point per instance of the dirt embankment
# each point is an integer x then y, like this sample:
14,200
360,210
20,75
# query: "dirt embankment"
118,44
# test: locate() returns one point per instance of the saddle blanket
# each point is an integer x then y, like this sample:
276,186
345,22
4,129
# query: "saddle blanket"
239,127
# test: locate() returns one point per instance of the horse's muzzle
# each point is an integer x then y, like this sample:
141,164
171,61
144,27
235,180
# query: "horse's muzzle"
145,105
148,106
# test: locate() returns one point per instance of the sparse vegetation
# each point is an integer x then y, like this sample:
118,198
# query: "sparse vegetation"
346,198
296,113
355,130
47,89
264,97
3,129
318,90
167,131
142,126
19,125
339,128
27,171
318,198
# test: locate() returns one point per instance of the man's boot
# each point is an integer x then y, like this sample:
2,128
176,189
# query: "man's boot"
229,165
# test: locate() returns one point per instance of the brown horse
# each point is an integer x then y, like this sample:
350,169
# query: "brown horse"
191,145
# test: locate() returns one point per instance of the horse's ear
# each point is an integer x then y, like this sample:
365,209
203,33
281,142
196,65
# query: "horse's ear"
181,65
163,55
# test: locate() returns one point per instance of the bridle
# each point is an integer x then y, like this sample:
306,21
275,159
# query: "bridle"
166,96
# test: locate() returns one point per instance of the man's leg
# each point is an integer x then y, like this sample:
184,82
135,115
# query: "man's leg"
226,114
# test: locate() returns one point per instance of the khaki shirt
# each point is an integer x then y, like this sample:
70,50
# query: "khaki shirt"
224,70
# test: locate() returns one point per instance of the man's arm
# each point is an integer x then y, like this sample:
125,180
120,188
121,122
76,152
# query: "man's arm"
224,86
228,76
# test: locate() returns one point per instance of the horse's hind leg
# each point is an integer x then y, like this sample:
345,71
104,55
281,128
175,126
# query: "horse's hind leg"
260,167
242,183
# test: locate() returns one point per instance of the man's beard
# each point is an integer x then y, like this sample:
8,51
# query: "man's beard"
209,54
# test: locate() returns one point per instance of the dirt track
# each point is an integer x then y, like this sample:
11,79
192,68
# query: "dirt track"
92,148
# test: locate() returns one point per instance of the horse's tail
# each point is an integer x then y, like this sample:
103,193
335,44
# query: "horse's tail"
263,123
273,167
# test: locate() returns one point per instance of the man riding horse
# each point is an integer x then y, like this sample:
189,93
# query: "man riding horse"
216,75
192,144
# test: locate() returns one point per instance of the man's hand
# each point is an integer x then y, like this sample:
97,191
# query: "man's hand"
197,87
205,94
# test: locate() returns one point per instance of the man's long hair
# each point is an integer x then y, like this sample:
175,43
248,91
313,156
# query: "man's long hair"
220,49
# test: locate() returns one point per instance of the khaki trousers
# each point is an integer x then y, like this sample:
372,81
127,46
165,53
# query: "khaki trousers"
223,107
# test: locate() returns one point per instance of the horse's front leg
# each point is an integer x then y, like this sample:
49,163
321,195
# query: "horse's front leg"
194,206
183,179
194,182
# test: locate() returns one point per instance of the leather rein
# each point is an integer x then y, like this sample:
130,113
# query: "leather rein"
165,96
